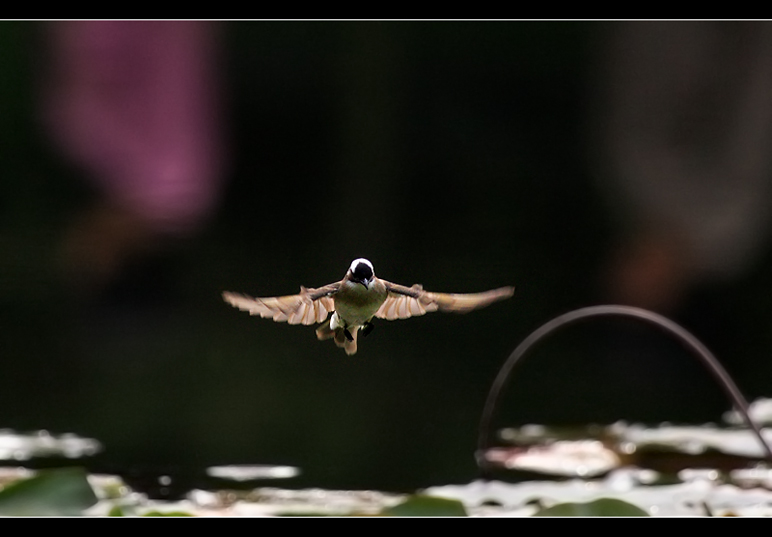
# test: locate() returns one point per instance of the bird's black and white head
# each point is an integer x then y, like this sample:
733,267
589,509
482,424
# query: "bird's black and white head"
361,271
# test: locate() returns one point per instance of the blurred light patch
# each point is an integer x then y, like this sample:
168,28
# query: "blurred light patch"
251,472
697,439
21,447
760,411
584,458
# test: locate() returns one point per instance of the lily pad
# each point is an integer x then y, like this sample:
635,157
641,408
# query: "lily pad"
423,505
600,507
60,492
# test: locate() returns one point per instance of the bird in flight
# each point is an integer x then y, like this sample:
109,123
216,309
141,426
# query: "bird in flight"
356,300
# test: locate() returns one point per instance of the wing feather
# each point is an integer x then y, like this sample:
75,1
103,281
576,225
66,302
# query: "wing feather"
298,316
404,302
309,307
416,308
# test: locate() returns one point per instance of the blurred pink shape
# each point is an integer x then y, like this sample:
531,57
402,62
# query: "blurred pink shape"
136,105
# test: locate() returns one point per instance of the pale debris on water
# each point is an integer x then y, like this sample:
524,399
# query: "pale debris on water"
10,474
108,486
244,472
269,501
760,411
584,458
694,498
695,440
701,495
17,446
758,476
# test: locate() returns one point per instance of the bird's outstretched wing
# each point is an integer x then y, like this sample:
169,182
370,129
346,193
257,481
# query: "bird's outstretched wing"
404,302
309,307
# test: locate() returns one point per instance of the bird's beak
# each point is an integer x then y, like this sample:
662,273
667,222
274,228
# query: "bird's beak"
366,283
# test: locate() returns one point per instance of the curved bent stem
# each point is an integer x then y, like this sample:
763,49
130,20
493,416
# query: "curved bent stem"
665,324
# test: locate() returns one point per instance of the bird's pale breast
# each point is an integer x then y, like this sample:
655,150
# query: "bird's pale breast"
355,304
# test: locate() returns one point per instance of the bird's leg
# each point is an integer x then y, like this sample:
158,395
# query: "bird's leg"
367,328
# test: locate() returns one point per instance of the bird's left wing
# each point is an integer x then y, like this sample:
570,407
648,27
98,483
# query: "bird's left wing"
404,302
308,307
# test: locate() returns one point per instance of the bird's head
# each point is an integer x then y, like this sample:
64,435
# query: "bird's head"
361,271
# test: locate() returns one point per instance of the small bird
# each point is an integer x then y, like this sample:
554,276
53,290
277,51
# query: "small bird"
355,300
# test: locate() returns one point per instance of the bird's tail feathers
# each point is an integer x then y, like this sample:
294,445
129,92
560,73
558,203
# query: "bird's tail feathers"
340,336
350,346
324,331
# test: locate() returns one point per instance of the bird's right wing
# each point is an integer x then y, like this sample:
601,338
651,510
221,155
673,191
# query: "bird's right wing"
308,307
405,302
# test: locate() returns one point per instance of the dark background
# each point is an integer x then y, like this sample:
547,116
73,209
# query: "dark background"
449,154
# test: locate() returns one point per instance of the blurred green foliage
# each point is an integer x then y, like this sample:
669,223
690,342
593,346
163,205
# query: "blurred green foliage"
600,507
60,492
422,505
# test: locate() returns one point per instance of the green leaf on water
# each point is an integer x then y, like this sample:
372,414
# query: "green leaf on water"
116,511
60,492
168,513
422,505
600,507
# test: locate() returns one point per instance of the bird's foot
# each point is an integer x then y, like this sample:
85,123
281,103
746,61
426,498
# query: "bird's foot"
367,328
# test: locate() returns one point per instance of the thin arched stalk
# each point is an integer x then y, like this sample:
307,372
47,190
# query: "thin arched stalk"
663,323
